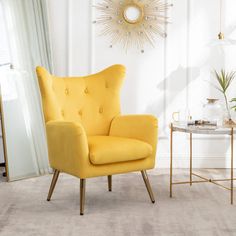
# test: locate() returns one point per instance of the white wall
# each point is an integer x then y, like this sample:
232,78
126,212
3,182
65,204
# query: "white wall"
170,77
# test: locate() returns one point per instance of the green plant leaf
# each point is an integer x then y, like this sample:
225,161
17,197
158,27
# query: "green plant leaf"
224,79
233,100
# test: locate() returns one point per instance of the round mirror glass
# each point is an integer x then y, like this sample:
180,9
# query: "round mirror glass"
132,14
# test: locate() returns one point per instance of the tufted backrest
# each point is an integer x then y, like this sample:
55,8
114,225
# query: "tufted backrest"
93,100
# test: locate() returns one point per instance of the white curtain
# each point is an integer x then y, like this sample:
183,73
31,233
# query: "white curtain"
27,26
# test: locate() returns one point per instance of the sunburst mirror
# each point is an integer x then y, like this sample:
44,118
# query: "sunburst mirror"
132,23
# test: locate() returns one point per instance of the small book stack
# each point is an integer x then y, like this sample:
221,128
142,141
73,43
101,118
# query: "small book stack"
205,124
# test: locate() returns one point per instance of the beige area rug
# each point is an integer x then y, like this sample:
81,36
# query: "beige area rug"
202,209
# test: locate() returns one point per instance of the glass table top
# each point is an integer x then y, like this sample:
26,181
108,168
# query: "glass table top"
202,129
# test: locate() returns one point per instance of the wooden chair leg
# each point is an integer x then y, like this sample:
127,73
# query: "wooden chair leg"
109,178
82,195
53,184
148,186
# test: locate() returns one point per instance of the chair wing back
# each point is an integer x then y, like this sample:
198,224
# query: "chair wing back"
92,100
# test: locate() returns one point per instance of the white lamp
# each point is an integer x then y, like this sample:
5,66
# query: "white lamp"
221,40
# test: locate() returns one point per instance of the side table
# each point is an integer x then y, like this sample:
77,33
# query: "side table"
177,127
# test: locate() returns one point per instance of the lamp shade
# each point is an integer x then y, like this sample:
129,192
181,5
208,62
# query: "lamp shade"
222,42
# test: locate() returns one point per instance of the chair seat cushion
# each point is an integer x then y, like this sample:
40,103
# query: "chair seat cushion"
110,149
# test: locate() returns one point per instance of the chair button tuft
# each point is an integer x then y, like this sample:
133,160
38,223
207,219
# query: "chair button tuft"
62,113
100,110
86,91
106,85
66,91
80,112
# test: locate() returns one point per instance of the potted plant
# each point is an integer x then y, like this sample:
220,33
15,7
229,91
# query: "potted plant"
224,80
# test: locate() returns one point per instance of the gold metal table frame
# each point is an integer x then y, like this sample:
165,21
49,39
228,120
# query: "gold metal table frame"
188,129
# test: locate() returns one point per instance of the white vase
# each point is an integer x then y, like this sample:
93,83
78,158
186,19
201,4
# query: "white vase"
212,111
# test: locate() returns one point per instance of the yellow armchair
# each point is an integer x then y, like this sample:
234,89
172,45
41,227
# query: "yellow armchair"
87,136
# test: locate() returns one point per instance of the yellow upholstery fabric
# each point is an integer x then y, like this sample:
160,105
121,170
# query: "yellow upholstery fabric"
109,149
142,127
76,109
92,100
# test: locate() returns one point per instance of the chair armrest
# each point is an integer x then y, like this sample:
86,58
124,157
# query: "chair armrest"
142,127
67,146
